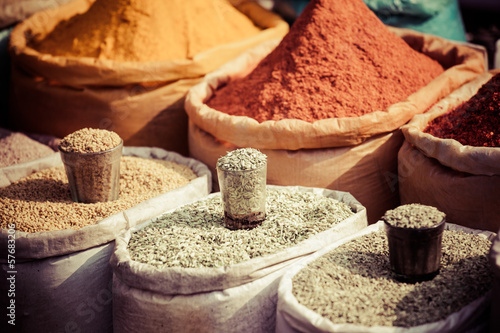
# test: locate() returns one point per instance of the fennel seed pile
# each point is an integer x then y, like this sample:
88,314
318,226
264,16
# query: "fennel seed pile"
194,235
353,284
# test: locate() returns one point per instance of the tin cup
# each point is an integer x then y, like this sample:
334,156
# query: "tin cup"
93,177
243,194
415,254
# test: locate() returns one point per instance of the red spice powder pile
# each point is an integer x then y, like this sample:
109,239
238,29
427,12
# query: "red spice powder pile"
338,60
475,122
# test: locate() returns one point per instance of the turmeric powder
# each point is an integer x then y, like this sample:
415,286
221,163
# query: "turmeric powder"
147,30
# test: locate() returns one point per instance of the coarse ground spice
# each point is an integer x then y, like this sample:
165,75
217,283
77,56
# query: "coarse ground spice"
89,140
194,235
18,148
42,201
353,283
414,216
338,60
147,30
476,122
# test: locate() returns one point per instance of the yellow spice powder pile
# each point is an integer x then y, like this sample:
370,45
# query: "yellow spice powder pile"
147,30
42,201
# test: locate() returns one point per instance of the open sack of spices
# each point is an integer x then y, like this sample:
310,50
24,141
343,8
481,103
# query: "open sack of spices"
451,155
186,271
325,104
126,65
349,287
62,246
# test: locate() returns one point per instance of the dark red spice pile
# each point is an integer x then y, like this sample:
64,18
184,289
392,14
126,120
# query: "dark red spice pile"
475,122
338,60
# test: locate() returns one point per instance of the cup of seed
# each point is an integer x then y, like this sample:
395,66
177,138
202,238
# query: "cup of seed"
242,175
414,234
91,158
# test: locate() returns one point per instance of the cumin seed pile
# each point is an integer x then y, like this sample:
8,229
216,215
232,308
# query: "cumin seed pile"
353,284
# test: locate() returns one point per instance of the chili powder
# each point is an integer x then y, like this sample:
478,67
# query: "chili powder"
338,60
475,122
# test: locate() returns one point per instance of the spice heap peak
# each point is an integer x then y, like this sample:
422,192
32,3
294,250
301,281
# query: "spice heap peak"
147,30
338,60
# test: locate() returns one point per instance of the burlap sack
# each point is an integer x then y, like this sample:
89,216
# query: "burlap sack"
235,298
142,102
294,317
357,155
62,278
462,181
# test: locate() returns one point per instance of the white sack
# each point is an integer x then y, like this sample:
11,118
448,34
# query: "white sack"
63,278
235,298
292,317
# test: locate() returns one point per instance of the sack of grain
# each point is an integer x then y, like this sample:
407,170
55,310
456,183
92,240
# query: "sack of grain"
212,279
357,154
353,289
461,180
61,279
114,83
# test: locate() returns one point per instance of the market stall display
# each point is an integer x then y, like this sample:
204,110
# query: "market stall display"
186,271
450,158
325,104
349,287
126,65
62,248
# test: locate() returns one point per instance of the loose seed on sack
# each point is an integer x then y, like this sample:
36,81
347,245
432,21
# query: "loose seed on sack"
42,201
353,283
194,235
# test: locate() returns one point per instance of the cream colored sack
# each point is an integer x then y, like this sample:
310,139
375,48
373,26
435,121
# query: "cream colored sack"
462,181
293,317
63,278
357,155
235,298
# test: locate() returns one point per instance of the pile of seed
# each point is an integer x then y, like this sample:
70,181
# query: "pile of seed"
89,140
18,148
353,283
42,201
414,216
194,235
242,159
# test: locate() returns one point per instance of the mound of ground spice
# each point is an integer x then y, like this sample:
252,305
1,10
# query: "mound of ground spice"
475,122
42,201
338,60
147,30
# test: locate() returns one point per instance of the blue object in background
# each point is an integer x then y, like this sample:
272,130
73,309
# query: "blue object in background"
437,17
